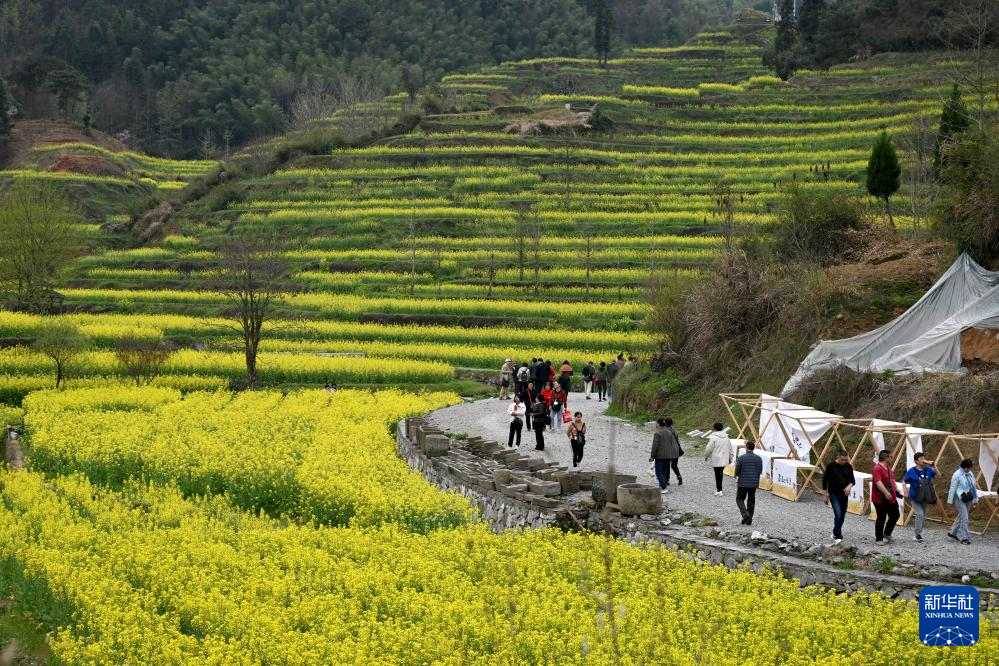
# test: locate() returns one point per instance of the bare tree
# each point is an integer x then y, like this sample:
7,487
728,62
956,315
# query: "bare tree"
725,208
142,359
39,240
919,143
521,230
973,25
207,145
357,106
252,273
535,231
62,342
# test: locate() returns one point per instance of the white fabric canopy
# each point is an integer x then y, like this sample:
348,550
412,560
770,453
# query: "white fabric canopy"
797,421
926,337
987,452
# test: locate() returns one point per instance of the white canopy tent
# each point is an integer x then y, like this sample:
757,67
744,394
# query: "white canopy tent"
926,337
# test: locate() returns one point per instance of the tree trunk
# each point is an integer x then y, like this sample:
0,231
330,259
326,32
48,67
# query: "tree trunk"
891,221
251,366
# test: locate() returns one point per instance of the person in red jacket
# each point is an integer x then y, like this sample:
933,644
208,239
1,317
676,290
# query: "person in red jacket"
884,497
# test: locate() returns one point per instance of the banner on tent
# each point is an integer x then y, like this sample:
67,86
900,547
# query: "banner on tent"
988,453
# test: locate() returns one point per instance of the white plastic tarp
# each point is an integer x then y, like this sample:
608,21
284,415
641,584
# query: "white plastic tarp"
926,337
914,443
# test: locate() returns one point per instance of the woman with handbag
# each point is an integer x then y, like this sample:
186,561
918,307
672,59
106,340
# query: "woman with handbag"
517,412
577,438
962,495
919,480
559,406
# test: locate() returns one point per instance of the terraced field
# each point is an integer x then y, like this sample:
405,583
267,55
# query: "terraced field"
512,229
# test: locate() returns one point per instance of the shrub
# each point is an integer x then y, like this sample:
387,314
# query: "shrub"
814,226
967,211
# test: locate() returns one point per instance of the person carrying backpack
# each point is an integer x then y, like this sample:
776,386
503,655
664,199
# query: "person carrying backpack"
577,438
527,397
523,379
565,376
919,481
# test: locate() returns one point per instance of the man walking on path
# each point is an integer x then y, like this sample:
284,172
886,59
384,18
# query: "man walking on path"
665,452
601,382
838,481
588,373
748,469
523,379
517,411
718,453
506,374
962,495
612,370
919,482
884,496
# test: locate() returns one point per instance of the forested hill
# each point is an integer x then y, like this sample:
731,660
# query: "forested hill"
171,70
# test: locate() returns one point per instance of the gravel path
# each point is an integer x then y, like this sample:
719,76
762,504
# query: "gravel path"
808,521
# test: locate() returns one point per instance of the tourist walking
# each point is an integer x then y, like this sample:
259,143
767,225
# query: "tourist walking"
588,374
541,373
718,454
601,380
523,378
540,413
838,481
963,495
528,397
884,496
560,402
612,370
565,376
548,397
665,453
506,374
919,483
517,411
577,438
748,469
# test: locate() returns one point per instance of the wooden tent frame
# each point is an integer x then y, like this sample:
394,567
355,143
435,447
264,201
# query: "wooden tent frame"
742,401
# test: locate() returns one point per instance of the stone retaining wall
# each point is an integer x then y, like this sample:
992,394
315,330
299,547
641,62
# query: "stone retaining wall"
460,470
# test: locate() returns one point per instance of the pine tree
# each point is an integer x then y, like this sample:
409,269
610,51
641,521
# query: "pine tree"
786,30
954,119
68,85
808,21
602,28
5,104
883,172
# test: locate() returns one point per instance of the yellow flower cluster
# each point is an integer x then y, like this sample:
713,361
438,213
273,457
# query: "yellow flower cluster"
145,576
275,368
307,455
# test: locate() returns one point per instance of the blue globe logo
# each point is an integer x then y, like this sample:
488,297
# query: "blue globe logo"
944,636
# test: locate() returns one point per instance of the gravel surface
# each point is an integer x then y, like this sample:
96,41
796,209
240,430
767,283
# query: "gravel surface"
807,521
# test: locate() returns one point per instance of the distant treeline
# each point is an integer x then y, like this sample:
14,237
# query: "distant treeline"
171,72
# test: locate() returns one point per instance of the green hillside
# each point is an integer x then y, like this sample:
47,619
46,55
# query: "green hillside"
530,228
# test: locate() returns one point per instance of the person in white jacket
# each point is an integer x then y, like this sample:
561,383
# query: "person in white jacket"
718,453
516,410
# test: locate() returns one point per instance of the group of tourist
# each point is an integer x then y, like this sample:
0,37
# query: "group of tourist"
539,397
838,481
547,410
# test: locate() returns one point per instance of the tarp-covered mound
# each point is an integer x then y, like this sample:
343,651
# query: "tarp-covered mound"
926,338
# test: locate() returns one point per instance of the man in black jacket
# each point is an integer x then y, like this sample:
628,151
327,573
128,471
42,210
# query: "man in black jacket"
748,469
838,481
